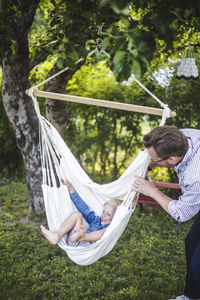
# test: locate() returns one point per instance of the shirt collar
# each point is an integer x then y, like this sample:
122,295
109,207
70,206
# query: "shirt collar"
187,157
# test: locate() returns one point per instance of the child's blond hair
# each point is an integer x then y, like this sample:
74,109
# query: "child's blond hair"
113,202
117,202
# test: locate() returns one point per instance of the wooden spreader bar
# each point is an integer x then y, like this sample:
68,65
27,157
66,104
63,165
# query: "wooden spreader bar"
102,103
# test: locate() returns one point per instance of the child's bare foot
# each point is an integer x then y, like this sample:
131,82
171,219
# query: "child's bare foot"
78,234
52,237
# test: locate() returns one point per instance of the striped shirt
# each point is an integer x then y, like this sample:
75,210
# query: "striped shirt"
188,172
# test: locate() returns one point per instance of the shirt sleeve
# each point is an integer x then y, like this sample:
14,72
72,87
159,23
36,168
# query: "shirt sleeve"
82,207
187,205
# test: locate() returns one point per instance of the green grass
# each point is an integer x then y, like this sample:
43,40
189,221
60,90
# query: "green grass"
147,263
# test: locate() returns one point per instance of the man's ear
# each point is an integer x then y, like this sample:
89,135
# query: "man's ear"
173,159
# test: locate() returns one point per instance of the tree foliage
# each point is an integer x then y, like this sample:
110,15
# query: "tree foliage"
102,139
152,28
131,36
182,96
140,36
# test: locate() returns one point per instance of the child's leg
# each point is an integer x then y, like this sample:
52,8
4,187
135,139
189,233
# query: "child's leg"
78,234
73,221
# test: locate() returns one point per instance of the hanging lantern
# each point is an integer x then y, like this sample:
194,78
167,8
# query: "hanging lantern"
187,69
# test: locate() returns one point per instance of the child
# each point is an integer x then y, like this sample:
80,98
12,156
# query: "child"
77,234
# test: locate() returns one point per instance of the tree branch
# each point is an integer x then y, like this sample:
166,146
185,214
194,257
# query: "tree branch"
38,59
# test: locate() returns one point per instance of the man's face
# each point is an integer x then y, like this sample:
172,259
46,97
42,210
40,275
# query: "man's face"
107,214
168,162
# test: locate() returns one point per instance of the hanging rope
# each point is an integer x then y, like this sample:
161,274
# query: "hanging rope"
150,93
53,76
165,113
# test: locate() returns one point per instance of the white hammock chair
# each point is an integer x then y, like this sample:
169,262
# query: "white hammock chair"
58,162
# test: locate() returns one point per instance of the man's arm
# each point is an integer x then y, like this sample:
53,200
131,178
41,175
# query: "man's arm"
93,236
147,188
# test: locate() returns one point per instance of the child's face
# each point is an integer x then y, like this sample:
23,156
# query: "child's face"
107,214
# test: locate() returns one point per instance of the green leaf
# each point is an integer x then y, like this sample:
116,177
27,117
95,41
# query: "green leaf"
60,63
143,59
125,20
136,68
134,52
126,71
106,42
119,56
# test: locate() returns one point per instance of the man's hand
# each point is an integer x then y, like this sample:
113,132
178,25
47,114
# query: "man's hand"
147,188
143,186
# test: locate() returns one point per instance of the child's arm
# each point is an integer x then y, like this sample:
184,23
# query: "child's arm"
70,187
79,203
93,236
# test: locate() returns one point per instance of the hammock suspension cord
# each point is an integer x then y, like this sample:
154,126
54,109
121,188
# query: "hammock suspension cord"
165,113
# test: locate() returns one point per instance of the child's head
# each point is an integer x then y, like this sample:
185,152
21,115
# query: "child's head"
109,210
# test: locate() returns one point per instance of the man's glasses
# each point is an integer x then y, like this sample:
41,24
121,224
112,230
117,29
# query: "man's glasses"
157,161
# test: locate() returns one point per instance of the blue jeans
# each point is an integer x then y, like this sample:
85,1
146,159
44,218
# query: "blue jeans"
192,249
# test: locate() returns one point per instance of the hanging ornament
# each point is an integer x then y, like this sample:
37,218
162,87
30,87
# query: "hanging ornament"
187,68
99,48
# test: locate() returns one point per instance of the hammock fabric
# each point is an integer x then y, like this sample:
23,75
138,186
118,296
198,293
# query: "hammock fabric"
58,162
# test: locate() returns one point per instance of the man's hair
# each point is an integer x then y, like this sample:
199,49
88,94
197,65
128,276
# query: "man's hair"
167,141
113,202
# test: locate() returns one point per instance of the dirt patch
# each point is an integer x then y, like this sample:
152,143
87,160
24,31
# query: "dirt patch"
26,220
4,186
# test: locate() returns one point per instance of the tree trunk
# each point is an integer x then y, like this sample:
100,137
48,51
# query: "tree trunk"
19,107
20,110
56,111
21,113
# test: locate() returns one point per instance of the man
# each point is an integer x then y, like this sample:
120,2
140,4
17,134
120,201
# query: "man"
170,147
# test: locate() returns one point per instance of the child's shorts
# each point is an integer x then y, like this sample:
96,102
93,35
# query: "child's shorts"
76,244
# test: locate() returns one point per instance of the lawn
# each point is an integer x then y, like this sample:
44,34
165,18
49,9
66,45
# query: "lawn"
148,262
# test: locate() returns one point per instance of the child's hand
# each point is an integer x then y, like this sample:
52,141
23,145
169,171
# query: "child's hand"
69,185
80,231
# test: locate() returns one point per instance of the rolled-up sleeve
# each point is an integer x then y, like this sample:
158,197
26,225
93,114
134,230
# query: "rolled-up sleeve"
187,205
82,207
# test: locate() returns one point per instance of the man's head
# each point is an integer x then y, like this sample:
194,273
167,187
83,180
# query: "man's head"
166,145
109,210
